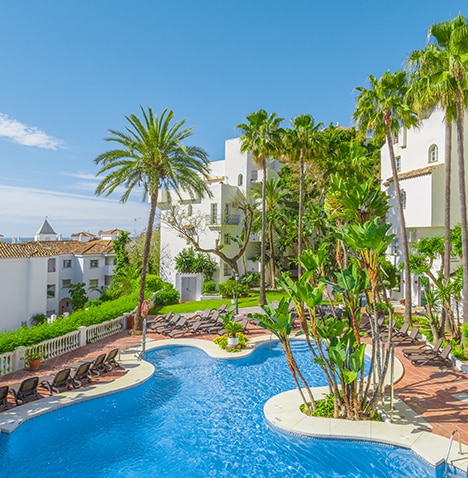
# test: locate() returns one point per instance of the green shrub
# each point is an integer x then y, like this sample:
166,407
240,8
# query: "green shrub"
222,342
209,287
252,279
24,336
154,283
37,319
228,289
167,295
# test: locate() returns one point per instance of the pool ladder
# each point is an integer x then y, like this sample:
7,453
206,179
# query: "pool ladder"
448,473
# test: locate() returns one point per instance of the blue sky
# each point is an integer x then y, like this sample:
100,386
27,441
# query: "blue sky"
70,71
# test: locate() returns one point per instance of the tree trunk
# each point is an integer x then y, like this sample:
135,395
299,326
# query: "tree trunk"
299,222
463,219
262,300
448,178
401,216
272,255
144,267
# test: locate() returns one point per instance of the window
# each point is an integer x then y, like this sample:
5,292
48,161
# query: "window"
189,210
50,290
110,261
51,265
214,213
93,283
433,154
403,198
67,263
227,239
93,263
66,283
395,246
240,180
227,270
398,163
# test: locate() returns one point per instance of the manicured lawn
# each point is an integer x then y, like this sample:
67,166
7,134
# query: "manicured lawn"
188,307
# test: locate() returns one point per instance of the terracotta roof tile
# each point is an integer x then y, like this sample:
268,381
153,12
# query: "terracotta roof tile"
27,249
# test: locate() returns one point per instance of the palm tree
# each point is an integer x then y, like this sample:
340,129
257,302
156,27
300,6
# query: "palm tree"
302,142
429,87
382,110
151,155
451,41
261,136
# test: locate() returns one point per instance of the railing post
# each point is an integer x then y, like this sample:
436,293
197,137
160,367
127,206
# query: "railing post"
18,361
82,337
125,321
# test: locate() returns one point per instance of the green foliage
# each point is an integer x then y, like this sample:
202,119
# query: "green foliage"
37,319
119,244
222,342
78,295
189,262
228,289
24,336
231,328
154,283
209,287
464,331
252,279
323,408
167,295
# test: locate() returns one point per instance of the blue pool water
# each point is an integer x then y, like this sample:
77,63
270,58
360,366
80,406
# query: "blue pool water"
197,417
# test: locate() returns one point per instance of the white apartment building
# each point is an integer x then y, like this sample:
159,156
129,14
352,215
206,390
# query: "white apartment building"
419,153
35,276
236,174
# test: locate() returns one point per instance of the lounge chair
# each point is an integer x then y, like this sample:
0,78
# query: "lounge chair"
27,390
423,349
4,396
401,332
81,374
99,366
111,358
193,328
61,382
411,338
435,357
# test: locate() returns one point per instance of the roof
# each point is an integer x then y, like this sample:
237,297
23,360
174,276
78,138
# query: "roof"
46,228
95,246
26,249
415,173
85,234
111,232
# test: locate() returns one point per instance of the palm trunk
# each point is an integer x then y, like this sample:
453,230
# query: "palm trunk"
401,216
272,254
262,300
144,268
463,218
448,177
299,225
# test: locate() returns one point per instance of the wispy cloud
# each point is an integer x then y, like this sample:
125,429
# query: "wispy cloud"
26,135
67,213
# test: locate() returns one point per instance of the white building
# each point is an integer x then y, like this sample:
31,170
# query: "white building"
35,276
237,173
419,153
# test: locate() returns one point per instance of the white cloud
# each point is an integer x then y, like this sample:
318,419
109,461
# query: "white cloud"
26,135
24,211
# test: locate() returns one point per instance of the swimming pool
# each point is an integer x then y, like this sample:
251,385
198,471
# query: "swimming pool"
197,417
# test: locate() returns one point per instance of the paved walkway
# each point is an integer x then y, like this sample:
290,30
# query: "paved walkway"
438,394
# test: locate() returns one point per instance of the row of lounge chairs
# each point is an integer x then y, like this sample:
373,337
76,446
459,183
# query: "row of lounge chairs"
421,354
176,325
65,379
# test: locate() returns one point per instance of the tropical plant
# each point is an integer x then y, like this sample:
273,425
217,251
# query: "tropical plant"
119,245
382,110
261,136
78,297
302,143
151,154
187,262
231,328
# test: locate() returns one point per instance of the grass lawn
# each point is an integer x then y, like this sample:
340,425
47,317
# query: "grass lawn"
189,307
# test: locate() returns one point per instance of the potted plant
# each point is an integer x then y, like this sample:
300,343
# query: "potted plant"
232,329
33,357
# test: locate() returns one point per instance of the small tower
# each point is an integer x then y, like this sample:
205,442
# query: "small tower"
45,232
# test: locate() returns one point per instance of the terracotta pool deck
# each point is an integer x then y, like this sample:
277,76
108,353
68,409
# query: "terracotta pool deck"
437,394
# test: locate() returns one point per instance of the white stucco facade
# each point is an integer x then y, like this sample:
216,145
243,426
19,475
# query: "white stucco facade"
420,155
236,174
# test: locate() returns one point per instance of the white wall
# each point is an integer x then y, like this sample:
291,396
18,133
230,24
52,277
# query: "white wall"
23,290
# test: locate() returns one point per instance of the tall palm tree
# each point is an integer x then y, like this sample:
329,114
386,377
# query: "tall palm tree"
302,142
261,136
451,41
382,110
151,155
429,87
